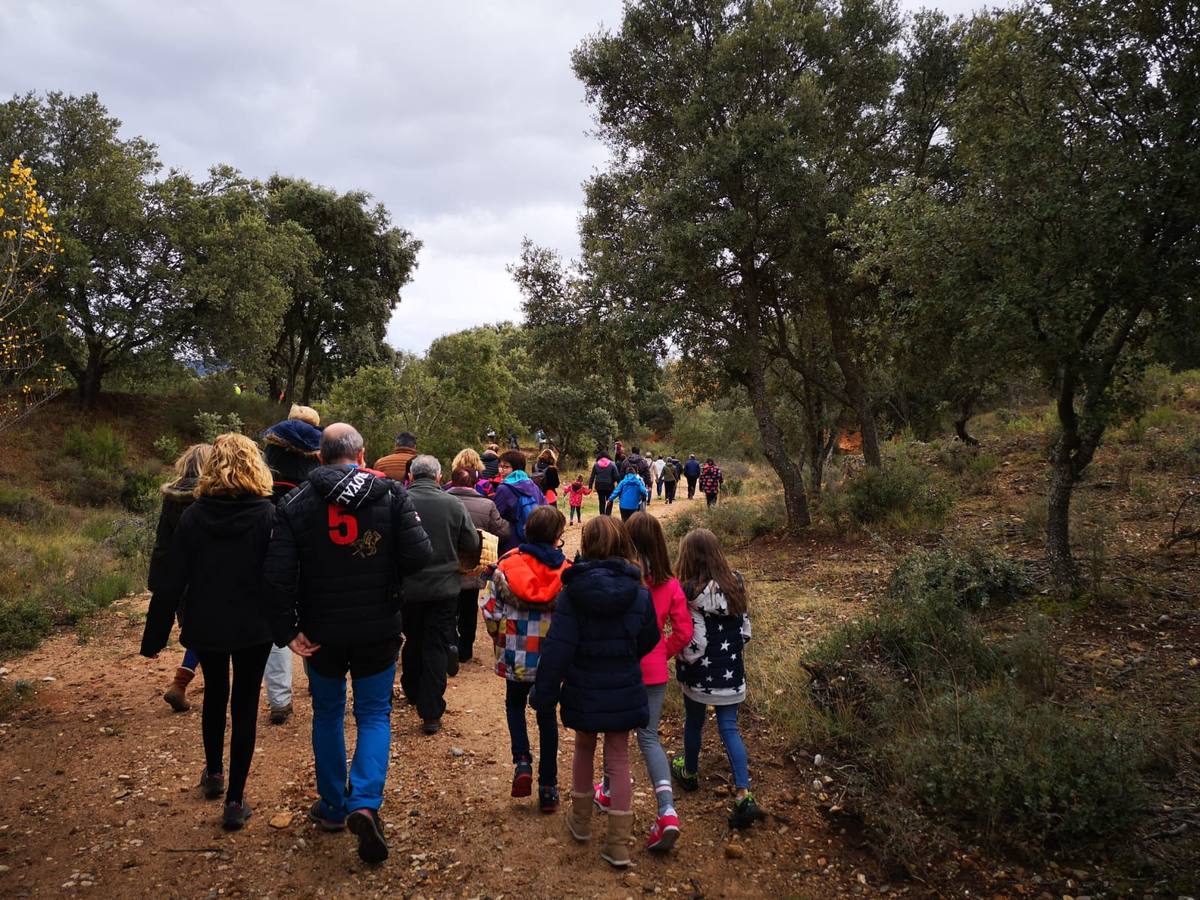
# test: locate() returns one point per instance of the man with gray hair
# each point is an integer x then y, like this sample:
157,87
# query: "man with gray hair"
344,545
431,598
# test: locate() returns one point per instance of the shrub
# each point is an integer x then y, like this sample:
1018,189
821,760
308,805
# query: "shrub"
132,539
741,519
22,506
989,759
166,447
101,448
900,496
93,486
140,492
974,578
23,623
15,694
212,425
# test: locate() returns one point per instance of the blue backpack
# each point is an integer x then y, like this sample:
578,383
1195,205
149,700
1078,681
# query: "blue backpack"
525,506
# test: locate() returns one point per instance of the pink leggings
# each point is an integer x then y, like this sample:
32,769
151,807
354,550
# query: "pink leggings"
616,766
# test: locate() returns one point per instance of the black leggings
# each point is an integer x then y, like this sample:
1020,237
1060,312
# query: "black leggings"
602,497
248,666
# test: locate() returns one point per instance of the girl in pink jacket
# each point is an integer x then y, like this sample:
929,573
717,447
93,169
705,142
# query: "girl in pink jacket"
670,605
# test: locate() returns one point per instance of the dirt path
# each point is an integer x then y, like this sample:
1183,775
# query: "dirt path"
98,795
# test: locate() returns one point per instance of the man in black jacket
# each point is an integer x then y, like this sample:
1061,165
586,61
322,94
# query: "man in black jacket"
342,543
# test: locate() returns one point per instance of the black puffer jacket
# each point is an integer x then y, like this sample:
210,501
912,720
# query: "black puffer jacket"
177,497
604,623
343,541
216,560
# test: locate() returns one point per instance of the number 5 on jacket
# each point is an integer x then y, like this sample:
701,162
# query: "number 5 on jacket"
343,527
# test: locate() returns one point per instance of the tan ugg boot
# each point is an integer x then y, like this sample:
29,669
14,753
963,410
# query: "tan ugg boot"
616,841
579,819
175,694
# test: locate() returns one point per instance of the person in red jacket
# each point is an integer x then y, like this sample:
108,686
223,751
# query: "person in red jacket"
670,605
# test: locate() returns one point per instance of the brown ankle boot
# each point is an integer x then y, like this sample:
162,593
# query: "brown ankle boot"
616,841
176,693
579,819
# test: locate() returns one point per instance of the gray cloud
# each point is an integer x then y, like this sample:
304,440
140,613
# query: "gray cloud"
463,119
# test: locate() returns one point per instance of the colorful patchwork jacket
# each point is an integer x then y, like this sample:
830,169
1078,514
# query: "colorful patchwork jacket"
518,605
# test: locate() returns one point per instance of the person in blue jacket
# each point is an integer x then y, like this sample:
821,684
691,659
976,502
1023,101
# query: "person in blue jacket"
604,623
630,493
691,471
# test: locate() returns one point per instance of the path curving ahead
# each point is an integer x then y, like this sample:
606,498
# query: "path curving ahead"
98,797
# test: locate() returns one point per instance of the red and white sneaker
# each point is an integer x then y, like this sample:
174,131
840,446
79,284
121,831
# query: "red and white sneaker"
602,800
663,834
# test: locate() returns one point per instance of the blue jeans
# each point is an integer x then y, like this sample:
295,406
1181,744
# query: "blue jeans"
191,659
372,716
516,697
693,729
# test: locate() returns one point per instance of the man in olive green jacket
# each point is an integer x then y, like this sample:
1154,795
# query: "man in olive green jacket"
431,596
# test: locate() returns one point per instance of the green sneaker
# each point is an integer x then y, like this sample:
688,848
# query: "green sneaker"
745,813
689,781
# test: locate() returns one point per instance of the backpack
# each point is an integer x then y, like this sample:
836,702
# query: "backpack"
525,505
606,477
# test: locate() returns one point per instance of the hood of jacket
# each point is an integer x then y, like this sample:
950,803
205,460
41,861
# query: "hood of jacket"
603,587
630,478
182,490
711,600
523,485
604,462
531,576
349,486
294,436
228,516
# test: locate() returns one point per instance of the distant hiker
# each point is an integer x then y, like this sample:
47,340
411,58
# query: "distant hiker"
431,595
177,495
491,461
669,479
517,495
631,492
395,464
290,450
576,491
670,606
711,668
343,545
518,611
545,473
603,625
485,517
641,465
215,565
618,452
604,478
540,437
513,443
691,471
711,479
656,469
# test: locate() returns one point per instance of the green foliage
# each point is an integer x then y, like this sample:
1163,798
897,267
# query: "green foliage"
100,448
575,416
23,624
733,520
903,497
22,506
211,425
91,486
976,578
140,492
166,447
991,760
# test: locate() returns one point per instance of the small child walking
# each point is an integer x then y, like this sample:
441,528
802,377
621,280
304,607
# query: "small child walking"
518,608
711,668
576,491
670,605
603,625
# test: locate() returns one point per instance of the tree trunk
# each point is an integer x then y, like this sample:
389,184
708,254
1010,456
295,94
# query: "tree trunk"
856,387
794,498
1058,521
960,429
966,408
90,377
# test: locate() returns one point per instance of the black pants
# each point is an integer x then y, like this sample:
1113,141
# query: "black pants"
626,514
468,622
249,664
576,512
670,488
711,498
602,496
516,698
691,486
427,626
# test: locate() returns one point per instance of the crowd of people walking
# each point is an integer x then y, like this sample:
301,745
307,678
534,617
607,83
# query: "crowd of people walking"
298,547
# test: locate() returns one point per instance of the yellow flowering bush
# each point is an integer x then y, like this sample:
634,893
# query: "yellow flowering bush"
28,248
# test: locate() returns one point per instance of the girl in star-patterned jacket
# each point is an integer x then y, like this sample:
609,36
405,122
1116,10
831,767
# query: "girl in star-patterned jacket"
710,668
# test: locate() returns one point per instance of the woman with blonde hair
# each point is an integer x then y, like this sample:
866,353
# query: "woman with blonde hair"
216,561
177,495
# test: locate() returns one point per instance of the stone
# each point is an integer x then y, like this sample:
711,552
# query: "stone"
734,851
281,820
631,881
457,751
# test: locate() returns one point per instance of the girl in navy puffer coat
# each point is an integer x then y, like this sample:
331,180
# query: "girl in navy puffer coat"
604,623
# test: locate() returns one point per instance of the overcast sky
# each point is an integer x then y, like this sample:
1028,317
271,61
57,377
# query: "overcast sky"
464,119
